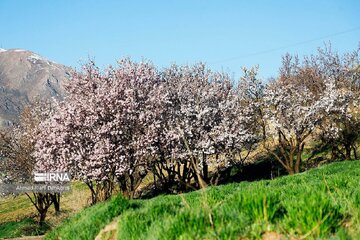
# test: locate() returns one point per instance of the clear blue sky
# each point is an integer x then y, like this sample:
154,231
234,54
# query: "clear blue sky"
225,34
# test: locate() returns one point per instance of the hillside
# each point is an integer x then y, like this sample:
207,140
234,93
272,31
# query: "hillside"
25,75
323,202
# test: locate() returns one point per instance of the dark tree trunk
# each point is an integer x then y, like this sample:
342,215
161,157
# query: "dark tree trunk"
334,154
355,154
56,200
205,169
42,216
123,186
347,151
132,185
185,173
93,192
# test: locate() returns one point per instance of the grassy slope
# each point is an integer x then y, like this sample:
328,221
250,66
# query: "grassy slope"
323,202
87,224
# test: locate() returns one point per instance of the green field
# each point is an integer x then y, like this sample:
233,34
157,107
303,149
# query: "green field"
321,203
27,226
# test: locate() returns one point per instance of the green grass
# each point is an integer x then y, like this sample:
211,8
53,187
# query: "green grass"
25,227
321,203
87,224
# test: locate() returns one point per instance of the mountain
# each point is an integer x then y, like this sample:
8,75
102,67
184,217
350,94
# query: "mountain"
25,75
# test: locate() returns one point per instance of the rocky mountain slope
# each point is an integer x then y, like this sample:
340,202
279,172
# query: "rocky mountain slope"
25,75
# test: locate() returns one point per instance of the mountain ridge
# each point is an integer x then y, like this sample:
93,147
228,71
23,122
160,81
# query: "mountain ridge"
24,76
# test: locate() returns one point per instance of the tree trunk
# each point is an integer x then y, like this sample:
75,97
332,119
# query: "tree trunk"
355,154
205,169
292,164
299,150
42,216
290,171
93,192
347,151
185,172
123,187
56,200
334,154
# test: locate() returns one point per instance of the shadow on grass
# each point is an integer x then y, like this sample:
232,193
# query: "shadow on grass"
24,227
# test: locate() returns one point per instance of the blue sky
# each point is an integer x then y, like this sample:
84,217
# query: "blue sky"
225,34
